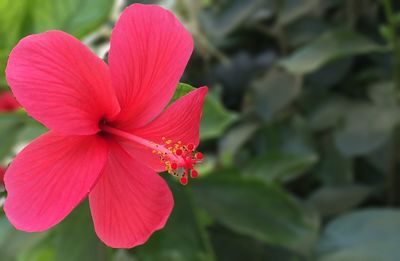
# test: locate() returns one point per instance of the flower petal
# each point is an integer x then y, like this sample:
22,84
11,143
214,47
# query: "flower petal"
61,83
50,177
129,202
149,51
179,122
142,154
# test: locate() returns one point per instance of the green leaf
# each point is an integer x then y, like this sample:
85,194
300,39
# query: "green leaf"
329,113
280,166
367,235
383,94
11,19
292,10
231,142
387,33
232,246
334,169
30,131
381,159
122,255
181,90
366,128
77,17
14,243
274,91
304,29
263,211
293,137
334,200
232,15
328,47
40,253
328,76
285,151
181,239
215,118
10,125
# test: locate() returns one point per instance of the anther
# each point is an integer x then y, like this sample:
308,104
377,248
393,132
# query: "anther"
198,155
174,166
194,174
179,159
184,181
190,146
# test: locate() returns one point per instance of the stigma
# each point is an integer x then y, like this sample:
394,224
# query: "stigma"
179,159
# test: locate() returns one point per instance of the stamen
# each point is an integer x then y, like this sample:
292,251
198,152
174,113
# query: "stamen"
199,155
184,181
194,174
190,146
179,159
174,166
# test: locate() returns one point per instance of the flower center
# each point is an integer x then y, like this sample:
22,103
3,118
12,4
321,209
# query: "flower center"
179,159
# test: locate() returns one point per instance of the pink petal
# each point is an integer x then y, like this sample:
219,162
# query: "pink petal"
142,154
50,177
129,202
179,122
149,51
61,83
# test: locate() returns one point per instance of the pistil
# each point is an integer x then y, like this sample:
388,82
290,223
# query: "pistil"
179,159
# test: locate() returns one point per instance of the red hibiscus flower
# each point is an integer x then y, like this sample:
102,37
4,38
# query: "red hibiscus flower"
109,134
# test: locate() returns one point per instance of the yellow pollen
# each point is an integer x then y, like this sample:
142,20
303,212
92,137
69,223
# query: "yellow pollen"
177,159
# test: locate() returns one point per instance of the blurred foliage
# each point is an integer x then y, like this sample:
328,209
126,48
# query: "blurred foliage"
300,131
